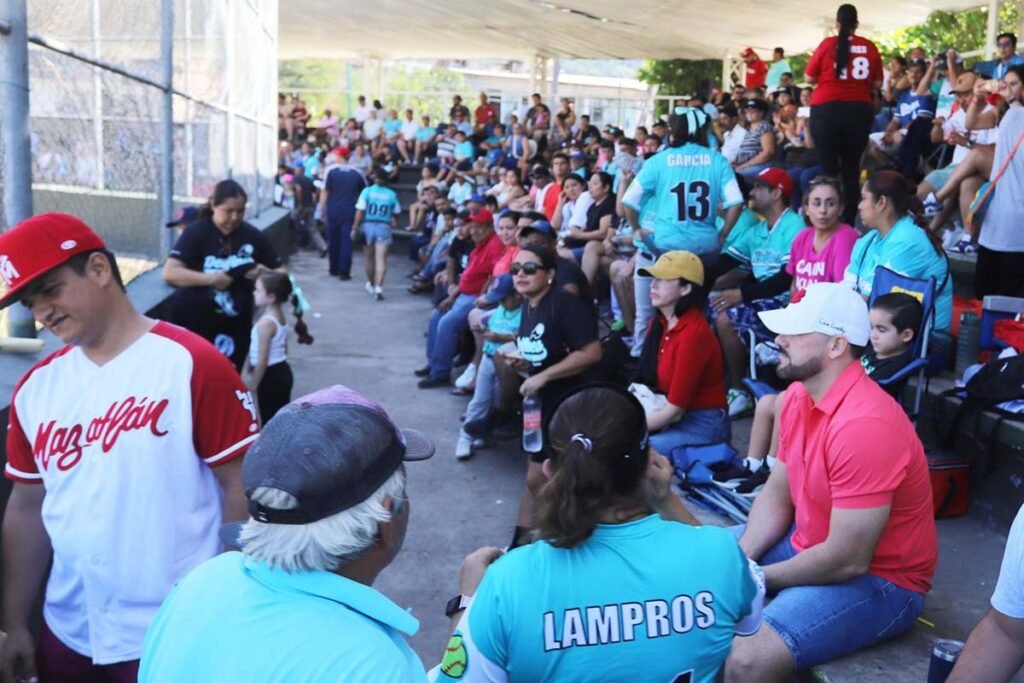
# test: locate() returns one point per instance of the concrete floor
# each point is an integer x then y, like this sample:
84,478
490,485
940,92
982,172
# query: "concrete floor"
459,506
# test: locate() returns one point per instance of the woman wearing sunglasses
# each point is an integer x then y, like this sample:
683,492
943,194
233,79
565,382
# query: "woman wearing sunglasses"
557,342
214,265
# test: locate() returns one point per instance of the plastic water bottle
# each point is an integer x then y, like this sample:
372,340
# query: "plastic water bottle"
968,342
533,438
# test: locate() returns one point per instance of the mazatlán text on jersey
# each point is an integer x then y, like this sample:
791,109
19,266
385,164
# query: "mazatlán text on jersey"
67,443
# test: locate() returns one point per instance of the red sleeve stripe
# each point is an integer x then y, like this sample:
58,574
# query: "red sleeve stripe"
26,477
227,452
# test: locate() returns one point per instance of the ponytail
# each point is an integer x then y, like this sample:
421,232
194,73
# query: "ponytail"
223,191
283,288
598,439
846,17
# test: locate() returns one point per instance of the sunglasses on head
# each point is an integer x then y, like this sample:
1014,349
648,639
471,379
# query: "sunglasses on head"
529,268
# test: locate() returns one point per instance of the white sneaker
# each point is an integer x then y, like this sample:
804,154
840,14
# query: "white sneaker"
952,237
464,447
740,402
368,287
378,293
932,205
467,377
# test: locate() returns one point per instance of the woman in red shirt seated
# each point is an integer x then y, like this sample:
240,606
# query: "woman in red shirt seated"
681,358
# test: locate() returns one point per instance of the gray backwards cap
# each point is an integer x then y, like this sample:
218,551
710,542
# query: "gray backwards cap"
331,450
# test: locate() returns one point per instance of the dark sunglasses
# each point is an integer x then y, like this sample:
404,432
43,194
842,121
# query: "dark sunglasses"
530,268
1004,43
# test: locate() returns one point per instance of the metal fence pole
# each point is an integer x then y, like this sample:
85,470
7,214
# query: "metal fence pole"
14,126
166,189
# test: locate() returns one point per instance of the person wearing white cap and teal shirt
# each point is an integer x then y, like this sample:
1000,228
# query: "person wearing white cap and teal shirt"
844,528
621,583
896,240
686,184
327,515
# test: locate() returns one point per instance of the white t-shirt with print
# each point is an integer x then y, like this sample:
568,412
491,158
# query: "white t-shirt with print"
125,452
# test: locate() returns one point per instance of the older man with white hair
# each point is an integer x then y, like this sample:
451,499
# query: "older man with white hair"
326,489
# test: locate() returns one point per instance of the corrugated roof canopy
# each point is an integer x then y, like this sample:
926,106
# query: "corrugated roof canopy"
586,29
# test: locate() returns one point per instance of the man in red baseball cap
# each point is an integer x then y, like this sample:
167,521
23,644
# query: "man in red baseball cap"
451,317
124,448
756,71
752,277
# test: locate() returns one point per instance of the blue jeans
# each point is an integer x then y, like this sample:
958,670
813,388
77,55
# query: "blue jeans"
694,428
801,178
483,395
822,623
339,247
443,335
750,173
436,256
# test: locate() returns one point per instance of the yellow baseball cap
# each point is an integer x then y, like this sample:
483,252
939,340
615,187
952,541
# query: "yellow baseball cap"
673,265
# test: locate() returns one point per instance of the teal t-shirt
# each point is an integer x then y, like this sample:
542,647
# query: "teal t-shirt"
425,134
378,204
464,150
392,127
687,185
748,219
648,600
503,321
907,251
765,252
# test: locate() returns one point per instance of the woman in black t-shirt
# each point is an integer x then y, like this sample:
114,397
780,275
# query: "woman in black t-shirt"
586,246
557,341
214,264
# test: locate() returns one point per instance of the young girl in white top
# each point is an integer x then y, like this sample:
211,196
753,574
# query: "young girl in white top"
270,376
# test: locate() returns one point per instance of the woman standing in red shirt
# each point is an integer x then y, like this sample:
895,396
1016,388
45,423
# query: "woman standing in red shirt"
847,73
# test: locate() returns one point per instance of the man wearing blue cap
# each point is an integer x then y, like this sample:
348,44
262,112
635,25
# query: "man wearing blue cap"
326,490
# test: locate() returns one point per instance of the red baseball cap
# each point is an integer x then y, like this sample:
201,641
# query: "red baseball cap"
482,216
776,178
39,244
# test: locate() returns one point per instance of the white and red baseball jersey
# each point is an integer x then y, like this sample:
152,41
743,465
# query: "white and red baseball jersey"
125,452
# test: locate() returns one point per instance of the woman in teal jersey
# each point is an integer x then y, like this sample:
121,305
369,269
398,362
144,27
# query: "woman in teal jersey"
684,187
896,240
620,585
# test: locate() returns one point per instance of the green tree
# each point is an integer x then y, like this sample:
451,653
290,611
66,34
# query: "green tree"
961,31
680,77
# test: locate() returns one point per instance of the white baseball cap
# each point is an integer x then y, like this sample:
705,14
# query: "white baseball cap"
826,307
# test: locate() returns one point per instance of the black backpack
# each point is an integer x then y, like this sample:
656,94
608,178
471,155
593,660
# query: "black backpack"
998,381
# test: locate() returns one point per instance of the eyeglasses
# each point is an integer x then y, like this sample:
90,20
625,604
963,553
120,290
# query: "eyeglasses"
1004,43
529,268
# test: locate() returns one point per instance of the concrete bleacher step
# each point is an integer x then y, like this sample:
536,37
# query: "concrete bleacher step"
969,557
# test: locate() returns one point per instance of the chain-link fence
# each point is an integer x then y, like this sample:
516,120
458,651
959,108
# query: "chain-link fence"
95,122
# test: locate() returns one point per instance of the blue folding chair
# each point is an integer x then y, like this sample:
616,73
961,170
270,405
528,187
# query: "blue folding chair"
888,281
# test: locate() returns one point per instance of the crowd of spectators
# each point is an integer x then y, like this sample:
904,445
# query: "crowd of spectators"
598,295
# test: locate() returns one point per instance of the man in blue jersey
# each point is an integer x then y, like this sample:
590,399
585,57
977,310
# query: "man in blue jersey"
680,190
376,213
342,187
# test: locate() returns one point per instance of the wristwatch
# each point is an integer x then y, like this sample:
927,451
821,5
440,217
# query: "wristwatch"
457,604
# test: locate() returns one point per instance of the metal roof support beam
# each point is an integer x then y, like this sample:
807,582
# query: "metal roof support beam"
991,28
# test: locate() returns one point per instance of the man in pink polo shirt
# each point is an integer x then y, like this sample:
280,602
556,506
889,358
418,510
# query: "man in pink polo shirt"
844,527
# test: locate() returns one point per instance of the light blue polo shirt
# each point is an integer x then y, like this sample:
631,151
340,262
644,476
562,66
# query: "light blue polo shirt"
765,251
392,127
235,619
378,204
687,185
907,251
647,600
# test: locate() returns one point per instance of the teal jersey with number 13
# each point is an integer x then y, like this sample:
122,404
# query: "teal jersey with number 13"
687,185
